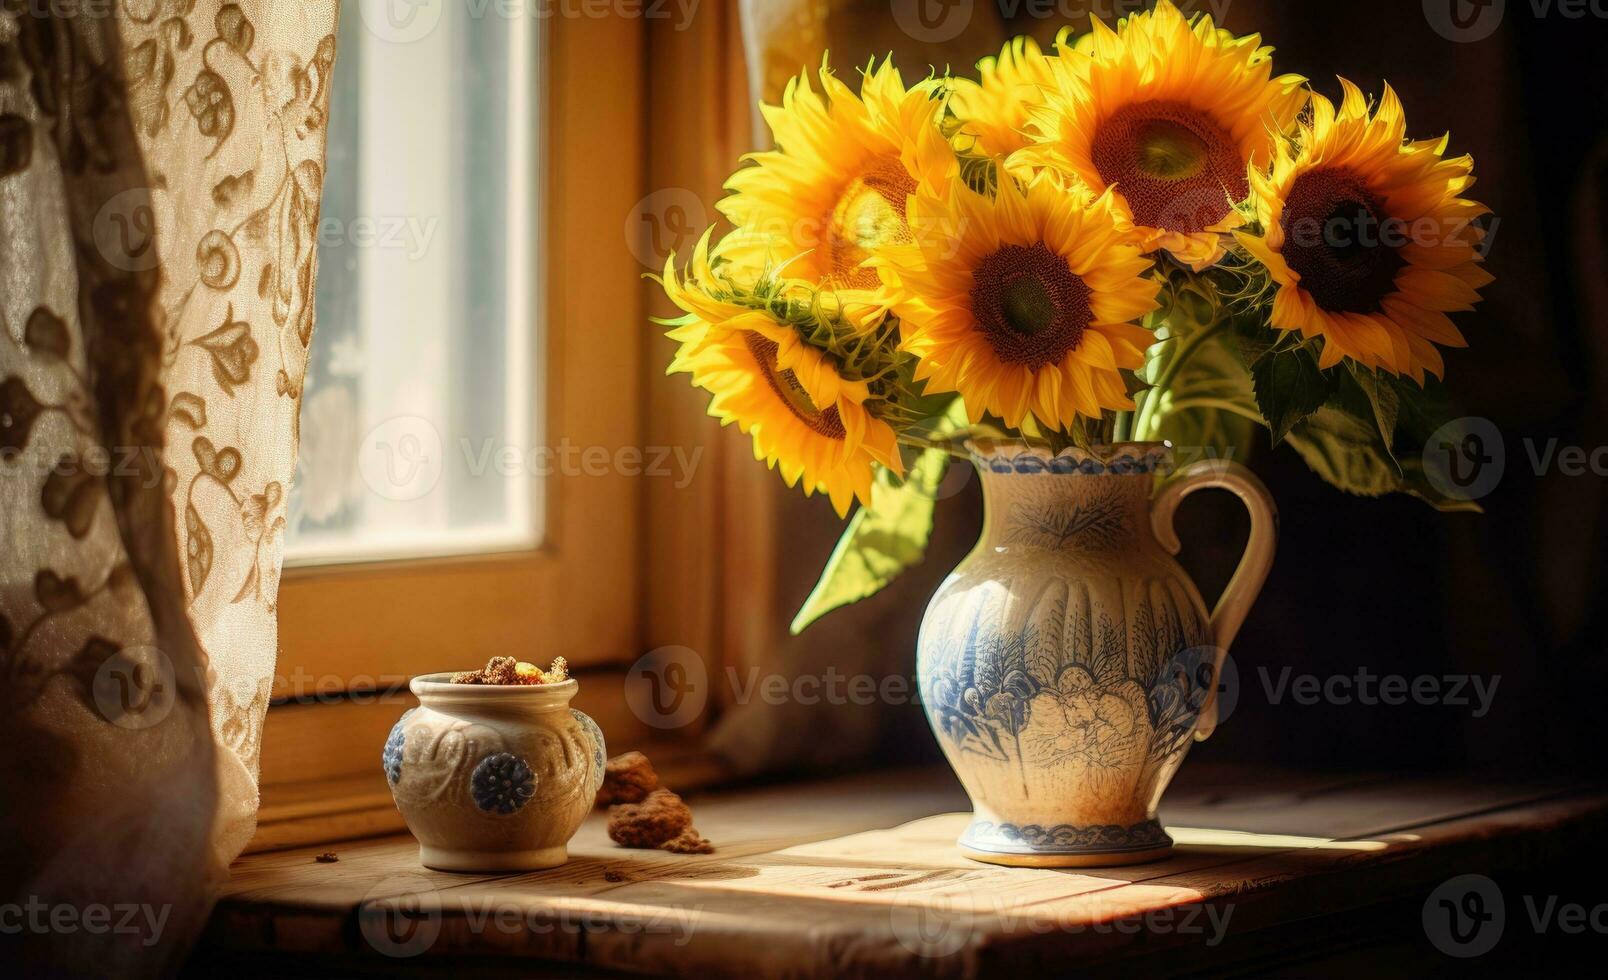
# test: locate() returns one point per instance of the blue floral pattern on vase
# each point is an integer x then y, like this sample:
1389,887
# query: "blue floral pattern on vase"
1038,839
1177,694
391,755
1074,460
502,783
600,754
1088,669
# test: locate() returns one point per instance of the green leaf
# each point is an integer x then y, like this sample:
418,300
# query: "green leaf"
881,540
886,538
1414,481
1384,403
1289,387
1346,450
1252,339
1207,432
1210,409
1202,401
1421,409
1193,304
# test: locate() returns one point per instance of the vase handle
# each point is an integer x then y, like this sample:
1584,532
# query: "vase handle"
1248,578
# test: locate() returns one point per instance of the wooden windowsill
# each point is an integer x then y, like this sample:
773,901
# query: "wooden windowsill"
859,875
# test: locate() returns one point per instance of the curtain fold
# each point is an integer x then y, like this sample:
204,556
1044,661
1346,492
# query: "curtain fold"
161,163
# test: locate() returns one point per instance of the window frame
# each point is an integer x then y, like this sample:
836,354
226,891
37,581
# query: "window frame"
697,563
625,563
574,594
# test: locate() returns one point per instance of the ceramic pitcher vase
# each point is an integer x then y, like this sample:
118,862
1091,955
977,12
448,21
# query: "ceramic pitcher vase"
1068,662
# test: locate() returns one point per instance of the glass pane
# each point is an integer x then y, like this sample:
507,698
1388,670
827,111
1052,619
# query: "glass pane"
421,396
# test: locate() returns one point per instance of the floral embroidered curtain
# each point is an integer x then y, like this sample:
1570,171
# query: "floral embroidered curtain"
161,163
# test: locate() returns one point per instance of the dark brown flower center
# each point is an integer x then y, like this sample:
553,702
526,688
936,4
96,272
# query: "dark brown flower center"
1177,168
870,212
827,423
1337,236
1029,304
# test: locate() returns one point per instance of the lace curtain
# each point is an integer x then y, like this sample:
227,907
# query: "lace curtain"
160,169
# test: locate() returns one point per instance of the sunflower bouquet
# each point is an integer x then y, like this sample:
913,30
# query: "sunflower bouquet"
1140,234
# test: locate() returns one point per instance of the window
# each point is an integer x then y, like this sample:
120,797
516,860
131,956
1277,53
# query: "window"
529,143
424,375
523,321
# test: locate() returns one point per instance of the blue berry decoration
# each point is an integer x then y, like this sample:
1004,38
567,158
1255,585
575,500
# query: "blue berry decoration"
502,783
391,757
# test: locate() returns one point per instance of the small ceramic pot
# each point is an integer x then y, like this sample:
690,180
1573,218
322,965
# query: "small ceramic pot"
493,777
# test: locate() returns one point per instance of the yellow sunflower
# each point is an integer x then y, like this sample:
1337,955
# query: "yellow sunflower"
994,110
806,419
1368,239
837,184
1022,302
1169,113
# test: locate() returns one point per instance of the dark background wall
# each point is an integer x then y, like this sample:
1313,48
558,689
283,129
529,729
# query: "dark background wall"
1514,596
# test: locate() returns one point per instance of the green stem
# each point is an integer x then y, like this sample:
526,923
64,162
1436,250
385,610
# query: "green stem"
959,452
1221,404
1186,347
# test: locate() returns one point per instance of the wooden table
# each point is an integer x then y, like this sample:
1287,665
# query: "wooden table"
858,876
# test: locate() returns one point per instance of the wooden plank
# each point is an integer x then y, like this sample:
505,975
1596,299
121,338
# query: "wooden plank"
1284,886
842,919
747,823
860,876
